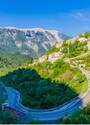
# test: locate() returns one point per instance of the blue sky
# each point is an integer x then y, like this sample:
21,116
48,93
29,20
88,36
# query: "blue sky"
68,16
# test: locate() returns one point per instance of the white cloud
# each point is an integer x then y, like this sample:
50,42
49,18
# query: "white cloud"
81,16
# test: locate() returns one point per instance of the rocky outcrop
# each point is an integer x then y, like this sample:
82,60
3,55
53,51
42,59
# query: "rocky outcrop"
33,42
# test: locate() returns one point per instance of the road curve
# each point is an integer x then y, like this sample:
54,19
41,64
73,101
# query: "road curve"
14,101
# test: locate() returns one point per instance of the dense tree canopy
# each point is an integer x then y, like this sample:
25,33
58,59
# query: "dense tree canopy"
80,117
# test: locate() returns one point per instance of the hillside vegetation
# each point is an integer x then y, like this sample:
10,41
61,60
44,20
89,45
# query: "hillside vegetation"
42,85
7,117
47,85
80,117
13,60
46,82
86,60
73,49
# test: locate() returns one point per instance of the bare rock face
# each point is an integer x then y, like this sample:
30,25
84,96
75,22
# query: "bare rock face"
33,42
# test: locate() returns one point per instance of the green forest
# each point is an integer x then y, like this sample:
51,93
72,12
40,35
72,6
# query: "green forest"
46,83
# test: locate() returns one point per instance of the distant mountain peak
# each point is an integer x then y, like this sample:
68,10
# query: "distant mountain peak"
33,41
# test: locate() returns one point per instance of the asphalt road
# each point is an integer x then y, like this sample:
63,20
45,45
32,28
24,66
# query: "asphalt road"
14,101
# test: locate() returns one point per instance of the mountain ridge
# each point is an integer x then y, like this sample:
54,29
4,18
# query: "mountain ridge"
33,42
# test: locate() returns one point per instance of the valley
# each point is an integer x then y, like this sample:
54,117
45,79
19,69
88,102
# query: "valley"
53,79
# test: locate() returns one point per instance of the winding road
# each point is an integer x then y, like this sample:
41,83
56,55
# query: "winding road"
14,102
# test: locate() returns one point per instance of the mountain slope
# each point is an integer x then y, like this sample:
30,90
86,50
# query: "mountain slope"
76,49
33,42
13,60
